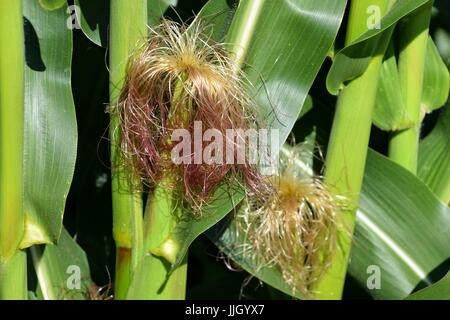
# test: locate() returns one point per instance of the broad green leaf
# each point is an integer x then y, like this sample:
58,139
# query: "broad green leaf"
50,124
300,34
437,291
434,157
62,270
402,231
390,112
352,61
52,4
217,16
93,17
436,82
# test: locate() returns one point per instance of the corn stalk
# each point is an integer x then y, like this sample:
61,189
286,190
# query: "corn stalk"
12,260
349,139
404,145
128,25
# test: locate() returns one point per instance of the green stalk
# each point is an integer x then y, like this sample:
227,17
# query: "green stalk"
12,57
122,277
160,218
128,25
161,214
404,145
349,139
13,277
242,29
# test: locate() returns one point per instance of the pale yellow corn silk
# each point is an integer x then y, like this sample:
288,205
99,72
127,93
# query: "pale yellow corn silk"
294,229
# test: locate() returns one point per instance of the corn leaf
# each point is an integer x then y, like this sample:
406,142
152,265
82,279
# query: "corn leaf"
398,220
436,82
352,61
390,113
434,157
62,270
93,17
50,124
437,291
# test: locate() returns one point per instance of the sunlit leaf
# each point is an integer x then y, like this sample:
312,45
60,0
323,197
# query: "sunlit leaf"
50,123
390,111
436,82
401,228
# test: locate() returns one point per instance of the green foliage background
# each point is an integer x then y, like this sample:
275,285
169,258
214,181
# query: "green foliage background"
88,209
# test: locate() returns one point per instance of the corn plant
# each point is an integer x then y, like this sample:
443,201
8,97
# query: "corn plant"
166,150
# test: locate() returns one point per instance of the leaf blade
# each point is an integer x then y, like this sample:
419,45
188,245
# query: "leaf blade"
50,123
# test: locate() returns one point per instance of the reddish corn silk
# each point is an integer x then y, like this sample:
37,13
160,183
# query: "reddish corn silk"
176,78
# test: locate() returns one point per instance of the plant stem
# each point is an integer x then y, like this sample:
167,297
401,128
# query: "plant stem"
349,139
128,25
12,57
122,277
13,277
404,145
242,29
